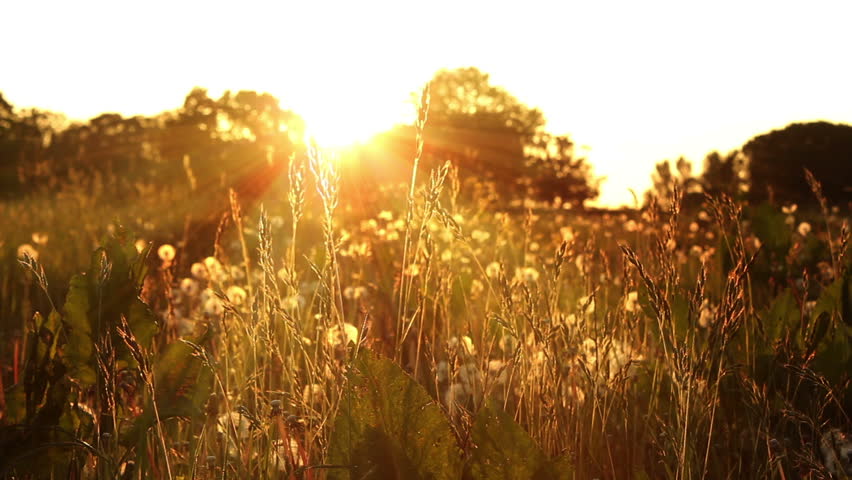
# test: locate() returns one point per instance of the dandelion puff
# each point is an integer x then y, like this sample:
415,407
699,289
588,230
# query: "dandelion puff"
236,295
140,245
493,270
166,253
336,335
313,395
213,307
189,287
836,449
27,250
39,238
199,271
804,229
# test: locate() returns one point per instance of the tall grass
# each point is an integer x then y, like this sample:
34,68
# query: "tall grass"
639,344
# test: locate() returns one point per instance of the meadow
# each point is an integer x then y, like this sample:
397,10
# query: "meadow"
436,333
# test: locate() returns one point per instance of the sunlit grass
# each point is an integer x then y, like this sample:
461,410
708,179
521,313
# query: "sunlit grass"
636,344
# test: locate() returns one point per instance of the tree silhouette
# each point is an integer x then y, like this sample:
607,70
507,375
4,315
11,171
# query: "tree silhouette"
490,134
724,174
776,162
666,182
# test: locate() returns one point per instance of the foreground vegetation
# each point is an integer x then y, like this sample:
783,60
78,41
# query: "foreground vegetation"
441,336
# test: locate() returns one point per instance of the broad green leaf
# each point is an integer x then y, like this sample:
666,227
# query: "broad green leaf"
96,304
79,350
182,381
783,316
182,384
388,427
503,450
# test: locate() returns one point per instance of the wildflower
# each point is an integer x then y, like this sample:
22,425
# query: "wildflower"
707,314
39,238
836,449
291,303
631,226
493,270
281,460
480,236
498,371
804,229
442,371
27,250
470,377
703,216
476,288
631,302
313,395
140,245
341,336
526,274
237,272
454,397
212,264
671,244
693,227
199,271
234,423
213,307
789,209
354,293
166,253
236,295
385,215
189,287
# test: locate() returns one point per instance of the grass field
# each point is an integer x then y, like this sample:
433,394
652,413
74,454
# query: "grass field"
436,334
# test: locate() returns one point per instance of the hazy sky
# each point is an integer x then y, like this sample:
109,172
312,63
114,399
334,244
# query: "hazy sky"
636,81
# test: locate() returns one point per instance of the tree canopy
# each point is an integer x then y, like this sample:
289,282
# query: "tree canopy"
776,162
491,134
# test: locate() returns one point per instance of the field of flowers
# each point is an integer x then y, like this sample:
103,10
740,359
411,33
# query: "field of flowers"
433,334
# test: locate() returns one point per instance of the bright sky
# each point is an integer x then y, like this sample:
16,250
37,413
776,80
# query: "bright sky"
637,82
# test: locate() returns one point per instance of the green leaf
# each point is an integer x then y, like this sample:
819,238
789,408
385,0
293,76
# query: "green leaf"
783,316
96,303
771,228
389,428
79,350
182,384
502,449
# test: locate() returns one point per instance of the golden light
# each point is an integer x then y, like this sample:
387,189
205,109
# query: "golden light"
349,125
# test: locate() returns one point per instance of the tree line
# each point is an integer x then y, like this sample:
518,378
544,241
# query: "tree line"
244,141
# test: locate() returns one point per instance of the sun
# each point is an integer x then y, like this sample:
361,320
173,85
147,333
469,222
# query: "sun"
341,120
337,132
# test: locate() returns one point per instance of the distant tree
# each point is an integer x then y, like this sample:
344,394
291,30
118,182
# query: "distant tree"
776,162
724,174
23,139
665,182
489,133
